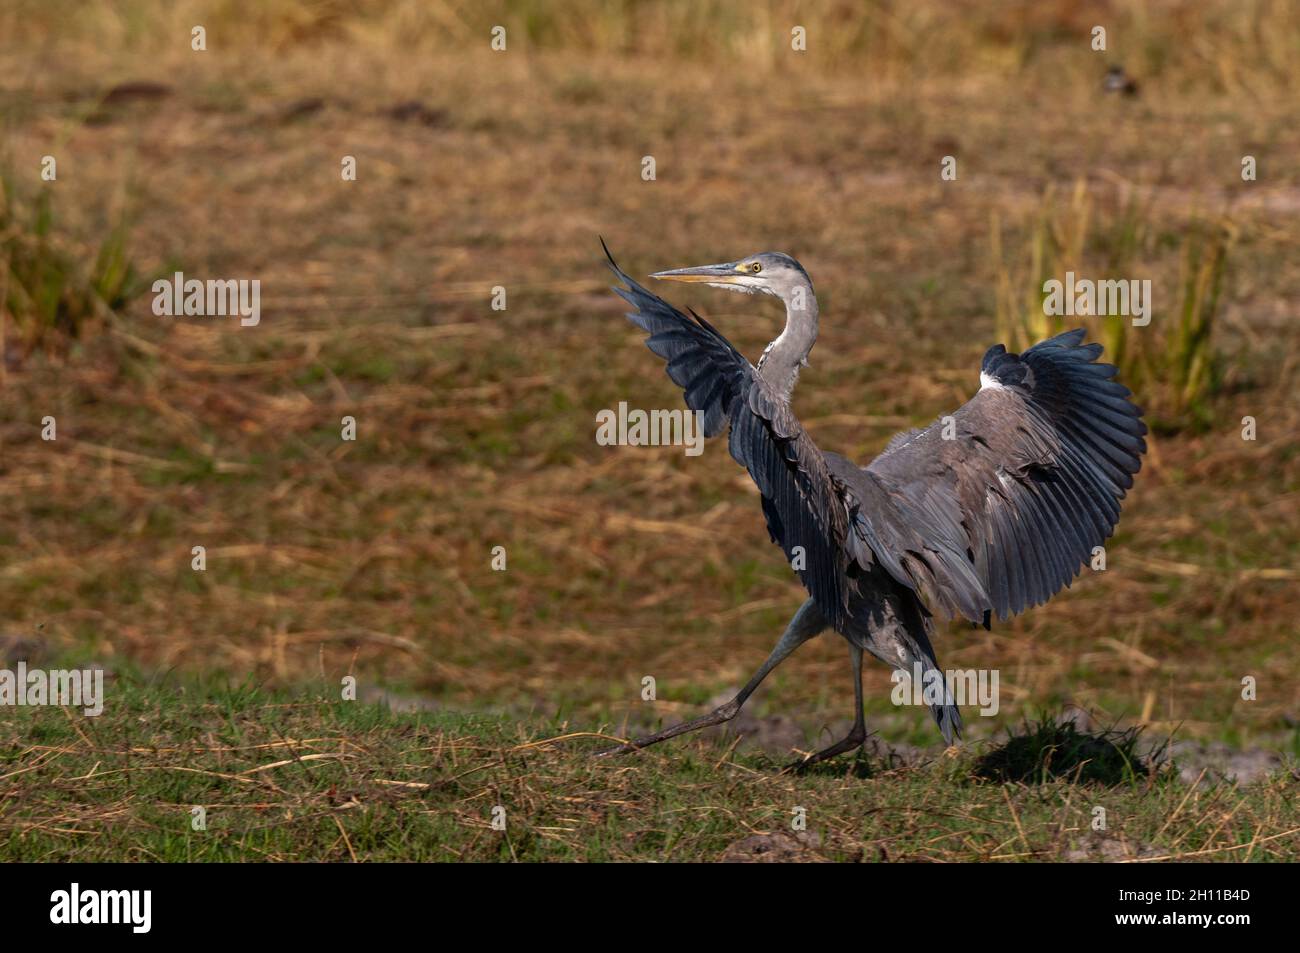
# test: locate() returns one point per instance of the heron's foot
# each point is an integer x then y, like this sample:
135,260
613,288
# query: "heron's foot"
719,715
850,742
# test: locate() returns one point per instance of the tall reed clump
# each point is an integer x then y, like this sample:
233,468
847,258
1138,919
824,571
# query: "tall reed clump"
53,290
1173,364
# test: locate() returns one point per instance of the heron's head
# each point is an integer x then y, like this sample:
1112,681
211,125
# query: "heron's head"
767,273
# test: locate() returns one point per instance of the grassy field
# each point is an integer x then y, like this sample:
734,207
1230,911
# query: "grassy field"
478,169
305,777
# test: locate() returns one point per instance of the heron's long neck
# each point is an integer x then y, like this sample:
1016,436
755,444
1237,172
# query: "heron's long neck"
780,363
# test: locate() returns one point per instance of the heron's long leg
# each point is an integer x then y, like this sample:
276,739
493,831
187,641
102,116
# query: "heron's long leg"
855,737
807,622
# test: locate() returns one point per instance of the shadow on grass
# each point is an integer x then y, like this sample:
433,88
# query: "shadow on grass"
1046,751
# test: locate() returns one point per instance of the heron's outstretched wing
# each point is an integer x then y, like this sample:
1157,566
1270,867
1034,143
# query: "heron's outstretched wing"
805,515
999,506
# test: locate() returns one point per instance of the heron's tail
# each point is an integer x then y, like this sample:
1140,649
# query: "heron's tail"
934,684
945,712
948,717
899,635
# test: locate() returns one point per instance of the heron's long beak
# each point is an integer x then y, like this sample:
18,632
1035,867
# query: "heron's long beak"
723,274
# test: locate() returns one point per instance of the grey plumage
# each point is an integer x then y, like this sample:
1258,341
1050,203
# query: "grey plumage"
1030,484
985,524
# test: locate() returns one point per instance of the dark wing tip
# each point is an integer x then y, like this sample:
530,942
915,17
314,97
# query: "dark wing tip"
1004,367
609,259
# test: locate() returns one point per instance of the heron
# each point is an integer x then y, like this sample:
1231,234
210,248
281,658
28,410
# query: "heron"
985,513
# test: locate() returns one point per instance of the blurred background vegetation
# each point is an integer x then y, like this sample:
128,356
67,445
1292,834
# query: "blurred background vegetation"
479,168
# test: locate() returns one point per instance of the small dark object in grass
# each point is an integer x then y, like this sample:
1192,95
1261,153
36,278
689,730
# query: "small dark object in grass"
116,102
1048,751
412,110
301,108
1118,81
137,91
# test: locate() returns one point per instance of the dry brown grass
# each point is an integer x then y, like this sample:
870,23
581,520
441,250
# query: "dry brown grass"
476,427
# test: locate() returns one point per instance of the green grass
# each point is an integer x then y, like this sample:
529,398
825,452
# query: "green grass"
305,776
46,286
1174,364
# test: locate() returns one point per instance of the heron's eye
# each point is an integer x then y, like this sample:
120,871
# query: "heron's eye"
755,267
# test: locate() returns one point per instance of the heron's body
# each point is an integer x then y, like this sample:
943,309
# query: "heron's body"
985,513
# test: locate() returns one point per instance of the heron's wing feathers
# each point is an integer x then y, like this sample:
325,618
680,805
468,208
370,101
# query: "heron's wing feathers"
700,360
805,516
919,544
996,508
